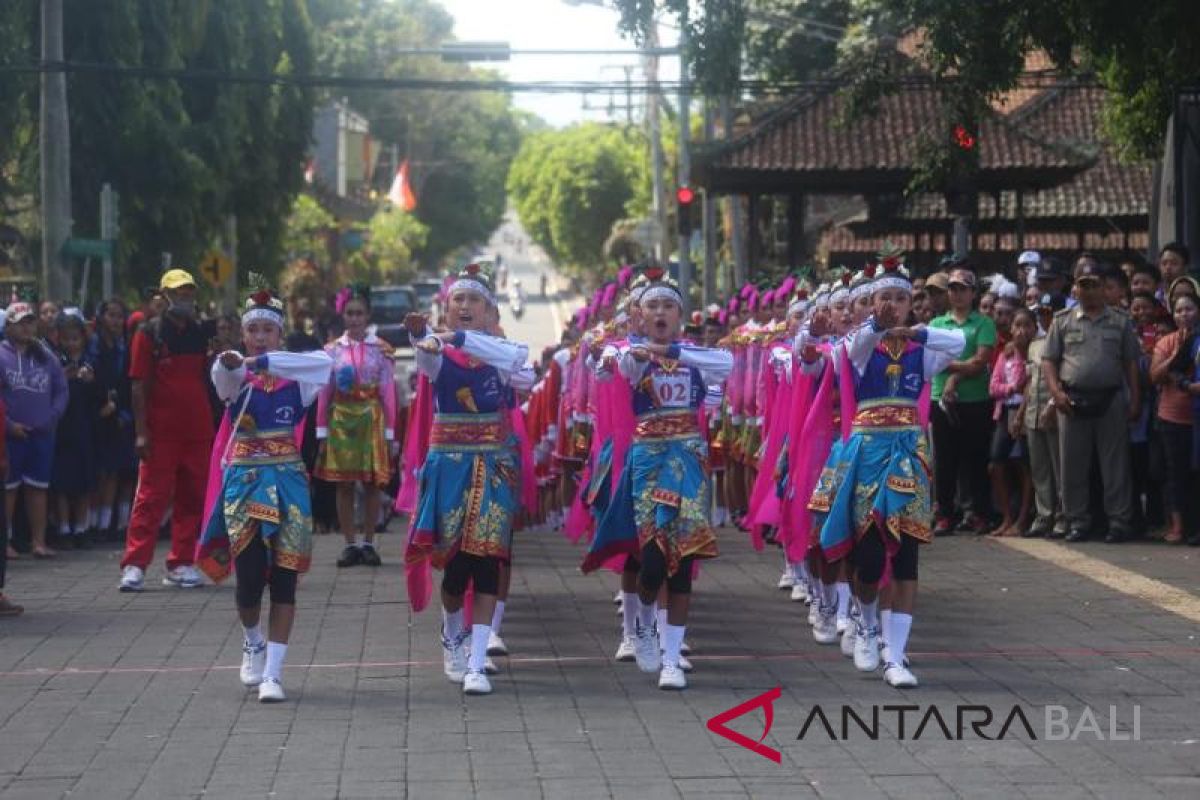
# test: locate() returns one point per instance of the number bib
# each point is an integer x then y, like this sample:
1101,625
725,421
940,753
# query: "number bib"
673,390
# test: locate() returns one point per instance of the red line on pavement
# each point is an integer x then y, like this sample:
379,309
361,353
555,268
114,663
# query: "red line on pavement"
831,654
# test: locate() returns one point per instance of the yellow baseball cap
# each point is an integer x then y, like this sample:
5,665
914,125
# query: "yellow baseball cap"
175,278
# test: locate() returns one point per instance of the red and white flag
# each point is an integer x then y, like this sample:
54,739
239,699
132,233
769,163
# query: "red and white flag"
401,194
310,171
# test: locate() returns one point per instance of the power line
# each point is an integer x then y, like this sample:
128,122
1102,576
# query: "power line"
1046,80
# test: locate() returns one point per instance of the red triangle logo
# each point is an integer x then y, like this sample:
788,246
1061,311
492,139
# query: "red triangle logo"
767,701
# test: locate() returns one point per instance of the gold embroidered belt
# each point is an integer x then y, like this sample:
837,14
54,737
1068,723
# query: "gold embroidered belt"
360,393
875,416
267,447
468,432
674,424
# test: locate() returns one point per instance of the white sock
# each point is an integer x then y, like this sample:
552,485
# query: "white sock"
452,624
360,539
123,514
898,636
104,516
885,624
829,595
719,516
672,641
254,635
479,640
800,573
645,614
629,613
843,599
497,616
870,613
275,653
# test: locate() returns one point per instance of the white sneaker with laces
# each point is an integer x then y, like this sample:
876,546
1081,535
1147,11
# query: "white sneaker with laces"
899,676
849,637
454,658
625,650
799,593
254,661
133,579
475,682
825,629
183,577
645,649
496,646
866,649
685,664
786,580
672,677
271,691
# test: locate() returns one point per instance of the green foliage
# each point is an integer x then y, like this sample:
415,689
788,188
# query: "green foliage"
459,144
570,186
392,237
306,229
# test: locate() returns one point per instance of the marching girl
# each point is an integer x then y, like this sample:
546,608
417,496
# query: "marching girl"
470,481
260,514
880,511
356,423
660,512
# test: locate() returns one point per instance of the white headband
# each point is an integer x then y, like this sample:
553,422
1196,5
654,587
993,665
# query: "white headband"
261,313
661,291
866,287
840,293
891,281
471,285
798,307
821,300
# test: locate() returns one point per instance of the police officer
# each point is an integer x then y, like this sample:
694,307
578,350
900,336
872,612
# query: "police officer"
1090,366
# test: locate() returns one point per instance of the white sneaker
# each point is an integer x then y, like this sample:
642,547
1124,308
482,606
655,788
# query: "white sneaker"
496,646
645,649
786,581
685,664
254,661
799,593
810,594
825,628
899,676
849,637
814,609
489,667
271,691
185,577
685,648
625,650
475,682
619,598
672,677
842,624
454,658
866,650
133,579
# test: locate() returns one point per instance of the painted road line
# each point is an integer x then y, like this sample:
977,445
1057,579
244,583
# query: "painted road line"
1126,581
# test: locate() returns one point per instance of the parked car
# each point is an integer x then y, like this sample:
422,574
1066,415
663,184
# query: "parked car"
426,292
389,306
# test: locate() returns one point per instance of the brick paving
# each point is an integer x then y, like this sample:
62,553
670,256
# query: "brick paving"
104,695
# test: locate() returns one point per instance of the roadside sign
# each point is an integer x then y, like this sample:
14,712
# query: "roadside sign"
216,268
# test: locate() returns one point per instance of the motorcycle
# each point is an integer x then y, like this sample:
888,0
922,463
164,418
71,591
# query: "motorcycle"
516,304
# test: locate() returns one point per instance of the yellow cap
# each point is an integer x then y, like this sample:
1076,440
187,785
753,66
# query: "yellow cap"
175,278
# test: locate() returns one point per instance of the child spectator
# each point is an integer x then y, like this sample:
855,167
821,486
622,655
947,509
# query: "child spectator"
1170,370
73,476
35,393
1007,387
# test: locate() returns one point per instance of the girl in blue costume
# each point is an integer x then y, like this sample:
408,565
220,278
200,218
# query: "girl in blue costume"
659,513
262,517
469,490
880,509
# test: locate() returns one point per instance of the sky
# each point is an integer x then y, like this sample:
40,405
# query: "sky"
554,24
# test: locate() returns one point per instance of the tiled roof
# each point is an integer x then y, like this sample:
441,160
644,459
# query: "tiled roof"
1108,189
808,136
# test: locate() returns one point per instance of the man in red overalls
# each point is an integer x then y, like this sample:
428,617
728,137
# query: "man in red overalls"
168,363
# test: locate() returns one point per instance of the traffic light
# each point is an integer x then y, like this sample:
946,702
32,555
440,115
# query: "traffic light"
964,139
685,197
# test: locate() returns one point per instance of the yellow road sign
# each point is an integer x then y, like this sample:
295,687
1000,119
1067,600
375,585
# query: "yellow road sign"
216,268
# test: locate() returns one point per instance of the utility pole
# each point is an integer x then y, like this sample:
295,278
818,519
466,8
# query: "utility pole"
736,243
55,145
709,214
685,160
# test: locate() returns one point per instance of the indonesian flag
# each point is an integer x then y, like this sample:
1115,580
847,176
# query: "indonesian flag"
401,194
310,171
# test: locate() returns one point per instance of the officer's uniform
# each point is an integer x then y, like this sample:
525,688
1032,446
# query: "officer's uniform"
1092,355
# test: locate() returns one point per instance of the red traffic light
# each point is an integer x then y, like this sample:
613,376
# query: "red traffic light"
964,138
685,195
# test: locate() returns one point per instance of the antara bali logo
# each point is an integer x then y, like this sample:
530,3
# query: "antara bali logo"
766,701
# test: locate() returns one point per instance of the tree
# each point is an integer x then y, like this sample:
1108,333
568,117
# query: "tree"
307,229
570,186
459,144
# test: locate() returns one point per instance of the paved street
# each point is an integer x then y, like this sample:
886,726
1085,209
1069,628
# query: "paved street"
104,695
